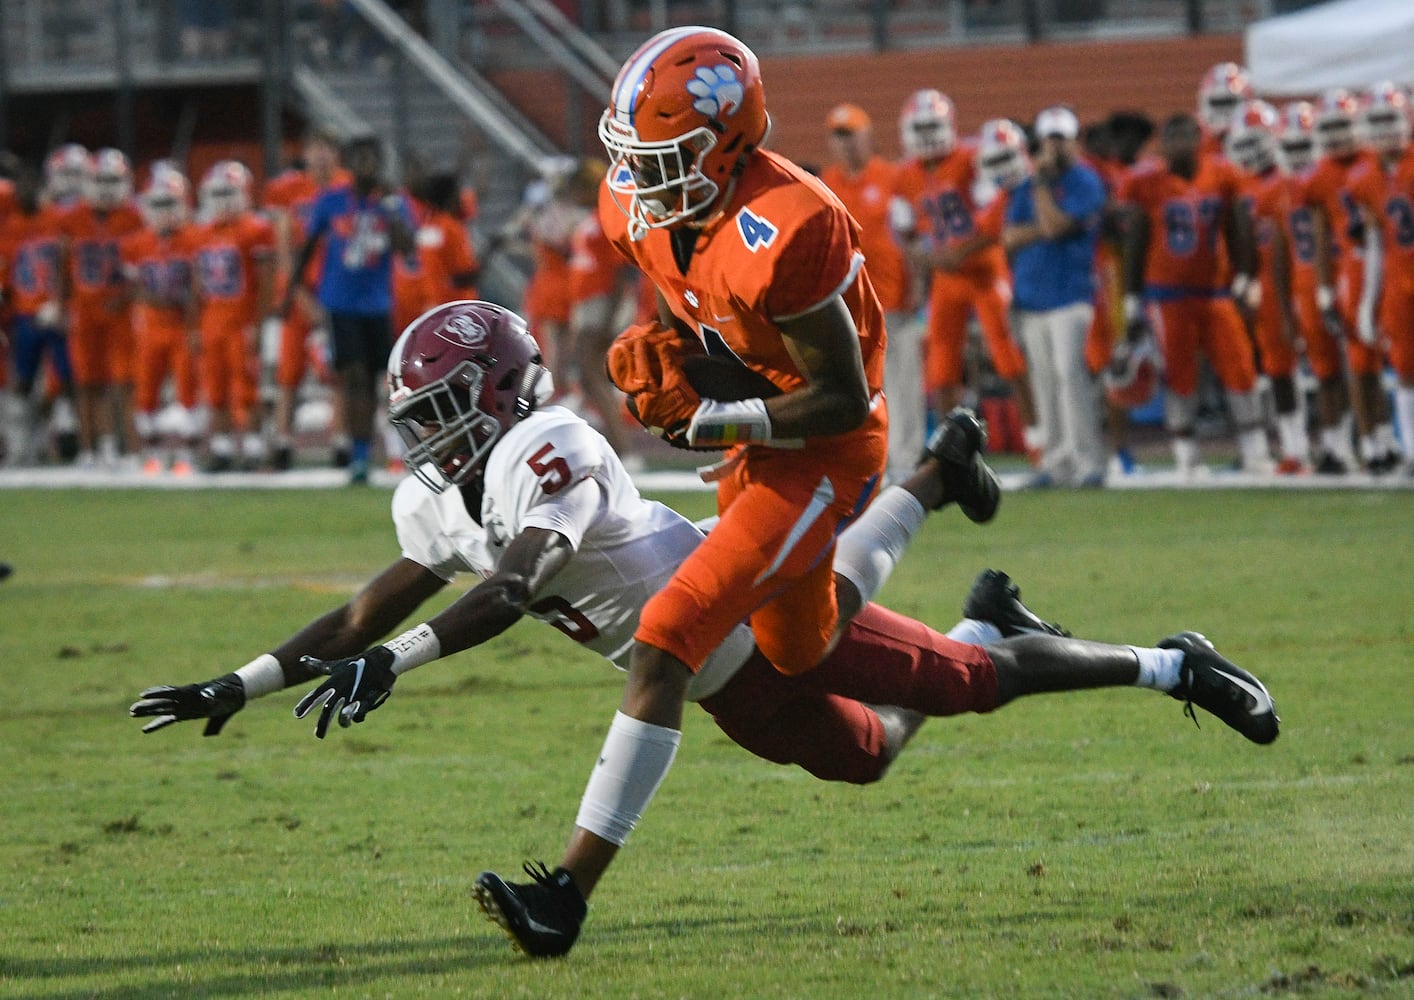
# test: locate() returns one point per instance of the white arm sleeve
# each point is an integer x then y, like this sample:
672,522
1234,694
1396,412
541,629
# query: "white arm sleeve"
1365,327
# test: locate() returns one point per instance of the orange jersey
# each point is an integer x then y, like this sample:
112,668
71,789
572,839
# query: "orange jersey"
1264,199
594,263
160,266
1300,232
228,256
443,254
1388,195
944,212
867,195
783,246
31,249
1326,191
95,262
1186,251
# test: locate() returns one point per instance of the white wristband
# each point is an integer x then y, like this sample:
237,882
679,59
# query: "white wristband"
1239,285
261,676
414,647
723,424
1325,297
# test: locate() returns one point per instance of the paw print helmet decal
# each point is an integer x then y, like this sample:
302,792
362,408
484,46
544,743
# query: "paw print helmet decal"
687,110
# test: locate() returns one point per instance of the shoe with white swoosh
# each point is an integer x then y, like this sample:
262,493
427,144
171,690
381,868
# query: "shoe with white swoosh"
1211,682
995,599
542,917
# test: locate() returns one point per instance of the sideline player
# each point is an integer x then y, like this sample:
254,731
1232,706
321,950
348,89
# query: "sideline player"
967,267
235,284
1251,145
1384,190
1341,268
101,350
533,501
158,262
1183,237
866,183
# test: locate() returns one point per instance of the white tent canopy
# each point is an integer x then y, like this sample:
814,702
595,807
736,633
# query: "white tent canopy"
1346,43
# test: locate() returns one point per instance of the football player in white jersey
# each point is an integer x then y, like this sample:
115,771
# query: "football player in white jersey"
542,510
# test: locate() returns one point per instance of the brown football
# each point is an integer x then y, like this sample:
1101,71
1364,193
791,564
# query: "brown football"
725,379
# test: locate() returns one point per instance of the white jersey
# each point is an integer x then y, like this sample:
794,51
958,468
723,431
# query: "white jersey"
625,547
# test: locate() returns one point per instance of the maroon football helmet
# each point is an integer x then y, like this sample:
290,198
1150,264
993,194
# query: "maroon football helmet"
459,377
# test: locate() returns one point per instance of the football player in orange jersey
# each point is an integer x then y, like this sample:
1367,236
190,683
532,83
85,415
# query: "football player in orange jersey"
235,270
1182,240
1251,145
1384,190
158,263
31,262
1222,90
1340,267
287,200
101,347
66,171
866,183
1296,146
758,265
966,268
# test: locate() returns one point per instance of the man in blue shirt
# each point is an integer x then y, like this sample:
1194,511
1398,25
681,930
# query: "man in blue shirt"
1052,224
361,225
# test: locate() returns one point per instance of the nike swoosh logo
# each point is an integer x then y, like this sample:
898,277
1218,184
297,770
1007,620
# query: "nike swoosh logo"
358,676
1263,700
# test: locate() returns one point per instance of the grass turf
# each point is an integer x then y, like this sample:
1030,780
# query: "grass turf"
1086,845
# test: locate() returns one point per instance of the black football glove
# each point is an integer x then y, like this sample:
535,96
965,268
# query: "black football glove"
214,700
356,686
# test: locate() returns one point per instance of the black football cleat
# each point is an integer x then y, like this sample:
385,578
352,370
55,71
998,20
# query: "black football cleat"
957,443
1211,682
541,917
995,599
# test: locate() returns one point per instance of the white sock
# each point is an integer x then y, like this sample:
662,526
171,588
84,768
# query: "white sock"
1291,430
871,547
1368,449
1336,441
1384,439
1404,412
1256,453
1185,454
633,763
975,632
222,446
1033,438
1158,668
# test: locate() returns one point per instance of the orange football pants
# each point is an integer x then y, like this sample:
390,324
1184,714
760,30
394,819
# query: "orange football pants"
1186,326
768,558
1322,349
101,345
1278,356
230,366
952,299
163,350
1397,324
1361,357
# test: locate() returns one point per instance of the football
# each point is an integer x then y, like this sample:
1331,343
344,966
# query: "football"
725,379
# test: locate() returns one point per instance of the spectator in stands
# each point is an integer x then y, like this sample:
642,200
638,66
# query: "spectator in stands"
1052,225
361,225
866,184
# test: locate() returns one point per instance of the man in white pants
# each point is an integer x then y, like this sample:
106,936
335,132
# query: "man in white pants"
1052,223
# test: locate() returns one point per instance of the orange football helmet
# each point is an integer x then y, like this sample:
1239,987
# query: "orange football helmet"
111,179
1251,140
1223,88
687,110
1384,121
166,199
1334,124
1296,135
66,171
1001,153
225,190
926,125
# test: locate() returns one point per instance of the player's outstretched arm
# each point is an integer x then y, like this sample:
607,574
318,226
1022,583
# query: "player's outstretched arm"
356,685
387,599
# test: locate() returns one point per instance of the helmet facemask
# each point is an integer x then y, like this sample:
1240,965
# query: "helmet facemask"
658,184
443,429
1385,129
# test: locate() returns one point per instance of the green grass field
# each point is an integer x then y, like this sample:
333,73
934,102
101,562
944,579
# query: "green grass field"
1087,845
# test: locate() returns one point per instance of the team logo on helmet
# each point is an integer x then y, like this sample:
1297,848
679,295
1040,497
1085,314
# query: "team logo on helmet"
718,92
465,330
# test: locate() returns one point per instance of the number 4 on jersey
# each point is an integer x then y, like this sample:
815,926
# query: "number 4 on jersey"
756,232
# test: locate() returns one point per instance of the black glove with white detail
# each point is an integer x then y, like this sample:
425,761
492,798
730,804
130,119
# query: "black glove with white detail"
214,700
356,686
